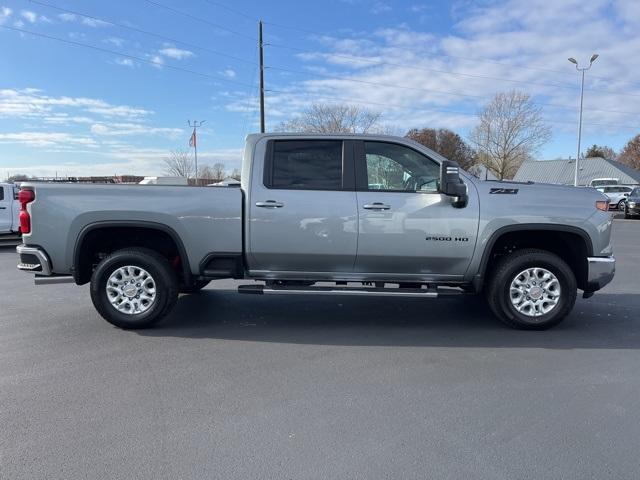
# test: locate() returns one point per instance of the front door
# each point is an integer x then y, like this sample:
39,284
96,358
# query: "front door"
6,208
302,207
405,226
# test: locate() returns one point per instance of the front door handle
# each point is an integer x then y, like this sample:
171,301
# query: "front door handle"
376,206
270,204
3,208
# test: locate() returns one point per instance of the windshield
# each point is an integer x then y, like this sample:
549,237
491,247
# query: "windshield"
635,192
600,183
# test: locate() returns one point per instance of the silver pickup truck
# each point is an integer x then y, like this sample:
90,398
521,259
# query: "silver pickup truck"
324,214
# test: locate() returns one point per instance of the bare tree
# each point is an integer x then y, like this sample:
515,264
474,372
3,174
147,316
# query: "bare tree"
511,130
218,171
19,177
447,143
321,118
602,151
179,164
236,174
205,172
630,154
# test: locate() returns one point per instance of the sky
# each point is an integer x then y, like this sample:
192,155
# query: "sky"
106,88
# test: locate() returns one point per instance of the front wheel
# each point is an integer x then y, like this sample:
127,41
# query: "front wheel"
621,205
134,288
531,289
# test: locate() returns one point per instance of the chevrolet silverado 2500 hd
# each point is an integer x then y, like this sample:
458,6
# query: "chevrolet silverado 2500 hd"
372,215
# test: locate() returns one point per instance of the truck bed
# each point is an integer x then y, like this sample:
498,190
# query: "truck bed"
204,219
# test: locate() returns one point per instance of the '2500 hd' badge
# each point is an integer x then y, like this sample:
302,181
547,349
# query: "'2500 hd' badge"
443,238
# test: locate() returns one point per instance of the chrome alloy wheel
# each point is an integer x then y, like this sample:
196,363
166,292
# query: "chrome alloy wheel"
534,292
131,290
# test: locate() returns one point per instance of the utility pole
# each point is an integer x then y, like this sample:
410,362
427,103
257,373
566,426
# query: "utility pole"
193,142
581,70
261,49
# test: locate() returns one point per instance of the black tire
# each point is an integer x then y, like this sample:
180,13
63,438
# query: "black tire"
194,287
499,296
621,205
166,287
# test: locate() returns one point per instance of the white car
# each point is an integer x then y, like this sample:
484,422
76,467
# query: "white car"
9,209
617,195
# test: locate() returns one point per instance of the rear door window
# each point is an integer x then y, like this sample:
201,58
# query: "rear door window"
305,165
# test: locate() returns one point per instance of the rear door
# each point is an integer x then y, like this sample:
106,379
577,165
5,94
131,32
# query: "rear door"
6,208
302,207
407,228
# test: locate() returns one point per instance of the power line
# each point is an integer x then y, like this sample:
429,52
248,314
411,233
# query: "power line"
145,32
202,20
126,55
232,10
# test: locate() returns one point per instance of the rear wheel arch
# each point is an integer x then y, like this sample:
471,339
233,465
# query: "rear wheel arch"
146,235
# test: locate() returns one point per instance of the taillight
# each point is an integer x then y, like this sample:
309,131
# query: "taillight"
25,197
602,205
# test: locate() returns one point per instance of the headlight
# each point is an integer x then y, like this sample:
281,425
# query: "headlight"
631,204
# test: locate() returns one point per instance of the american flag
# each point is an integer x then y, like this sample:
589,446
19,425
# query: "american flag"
192,140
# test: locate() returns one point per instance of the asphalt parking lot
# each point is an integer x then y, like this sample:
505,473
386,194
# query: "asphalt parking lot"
233,386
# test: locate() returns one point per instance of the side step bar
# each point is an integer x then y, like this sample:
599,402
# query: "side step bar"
354,291
52,279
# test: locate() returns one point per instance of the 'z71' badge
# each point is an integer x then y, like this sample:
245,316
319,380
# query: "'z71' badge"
504,191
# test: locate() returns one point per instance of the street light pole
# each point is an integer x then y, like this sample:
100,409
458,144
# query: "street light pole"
581,70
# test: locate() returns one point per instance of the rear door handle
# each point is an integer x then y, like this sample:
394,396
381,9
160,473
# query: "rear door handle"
3,208
376,206
270,204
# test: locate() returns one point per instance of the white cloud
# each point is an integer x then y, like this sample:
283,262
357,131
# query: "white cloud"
380,7
126,62
157,61
29,16
115,41
176,53
31,103
443,79
67,17
92,22
43,139
229,73
5,13
125,129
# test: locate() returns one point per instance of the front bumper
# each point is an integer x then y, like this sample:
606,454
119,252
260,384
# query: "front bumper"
33,259
600,273
635,210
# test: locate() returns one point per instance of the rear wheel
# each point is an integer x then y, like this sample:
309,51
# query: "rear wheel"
531,289
134,288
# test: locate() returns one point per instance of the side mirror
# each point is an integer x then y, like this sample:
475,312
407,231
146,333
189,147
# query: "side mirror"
452,185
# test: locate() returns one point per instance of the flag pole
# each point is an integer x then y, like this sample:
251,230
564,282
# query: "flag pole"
194,137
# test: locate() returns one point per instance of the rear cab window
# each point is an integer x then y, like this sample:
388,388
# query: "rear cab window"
305,165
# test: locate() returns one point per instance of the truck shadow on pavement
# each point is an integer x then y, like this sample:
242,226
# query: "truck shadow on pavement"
604,321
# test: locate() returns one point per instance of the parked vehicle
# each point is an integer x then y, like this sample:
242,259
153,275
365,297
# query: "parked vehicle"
617,195
632,204
164,181
306,212
603,182
9,209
